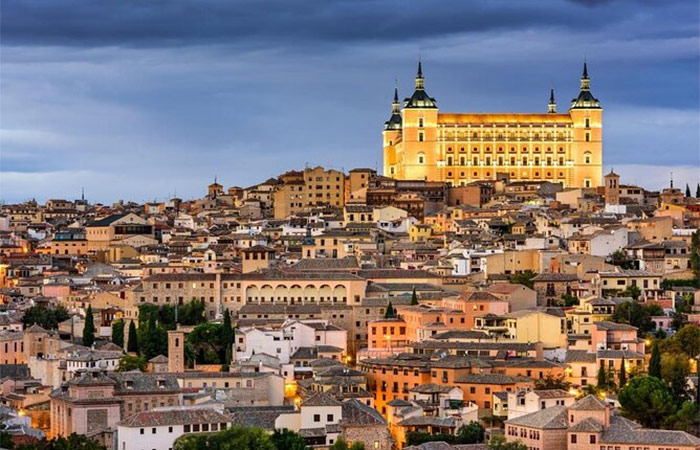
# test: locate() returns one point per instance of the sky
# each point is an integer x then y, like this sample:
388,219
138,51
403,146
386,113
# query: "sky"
143,100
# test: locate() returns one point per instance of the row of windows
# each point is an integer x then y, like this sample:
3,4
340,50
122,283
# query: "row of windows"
501,150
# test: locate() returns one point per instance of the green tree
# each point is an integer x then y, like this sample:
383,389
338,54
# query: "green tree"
414,297
695,253
72,442
655,361
153,339
205,340
499,442
133,339
192,313
44,316
623,373
637,315
632,291
687,190
288,440
697,191
118,332
550,381
5,438
679,387
687,418
341,444
569,300
602,376
620,258
390,312
131,362
233,438
646,400
524,278
472,433
688,339
673,363
89,328
227,337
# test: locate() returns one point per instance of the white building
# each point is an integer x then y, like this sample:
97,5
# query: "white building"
524,402
157,429
284,341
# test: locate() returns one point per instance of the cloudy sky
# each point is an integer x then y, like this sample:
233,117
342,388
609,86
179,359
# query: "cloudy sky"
140,100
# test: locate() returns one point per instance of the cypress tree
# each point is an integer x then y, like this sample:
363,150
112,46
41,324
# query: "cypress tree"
227,337
687,190
133,342
118,332
414,297
602,378
623,373
655,361
697,191
89,328
390,313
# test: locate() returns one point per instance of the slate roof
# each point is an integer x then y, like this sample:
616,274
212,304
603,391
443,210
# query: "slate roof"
326,264
357,413
106,221
321,399
258,416
137,382
589,403
583,356
491,378
431,388
624,431
551,419
423,421
553,277
179,416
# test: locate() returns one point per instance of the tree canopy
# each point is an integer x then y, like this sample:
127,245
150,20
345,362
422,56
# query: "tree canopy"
44,316
241,438
647,400
130,362
118,332
89,328
524,278
637,315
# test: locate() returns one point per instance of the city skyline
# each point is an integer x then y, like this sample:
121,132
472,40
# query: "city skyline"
149,104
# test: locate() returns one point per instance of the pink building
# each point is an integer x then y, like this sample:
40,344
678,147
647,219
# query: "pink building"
590,424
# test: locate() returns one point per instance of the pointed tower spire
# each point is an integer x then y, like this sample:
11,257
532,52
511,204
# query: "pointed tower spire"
394,122
420,82
585,98
585,81
552,107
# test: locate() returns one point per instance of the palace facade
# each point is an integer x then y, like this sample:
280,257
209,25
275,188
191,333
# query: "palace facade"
421,143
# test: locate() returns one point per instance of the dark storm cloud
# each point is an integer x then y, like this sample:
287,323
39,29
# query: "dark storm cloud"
137,99
286,22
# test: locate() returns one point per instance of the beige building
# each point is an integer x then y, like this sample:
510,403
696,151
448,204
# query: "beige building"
299,191
420,143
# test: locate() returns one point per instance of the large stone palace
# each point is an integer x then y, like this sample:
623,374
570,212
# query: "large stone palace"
421,143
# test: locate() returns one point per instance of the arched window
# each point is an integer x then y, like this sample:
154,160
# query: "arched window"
587,158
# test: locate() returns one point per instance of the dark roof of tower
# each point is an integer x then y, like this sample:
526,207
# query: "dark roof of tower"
395,121
420,98
585,99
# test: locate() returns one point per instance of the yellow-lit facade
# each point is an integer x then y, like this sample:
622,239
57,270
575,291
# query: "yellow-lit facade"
421,143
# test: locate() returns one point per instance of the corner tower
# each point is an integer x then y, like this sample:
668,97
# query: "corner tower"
391,136
587,117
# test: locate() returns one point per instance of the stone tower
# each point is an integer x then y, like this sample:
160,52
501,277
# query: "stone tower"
176,351
612,188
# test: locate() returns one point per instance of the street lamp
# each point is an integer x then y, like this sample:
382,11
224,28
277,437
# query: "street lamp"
388,341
